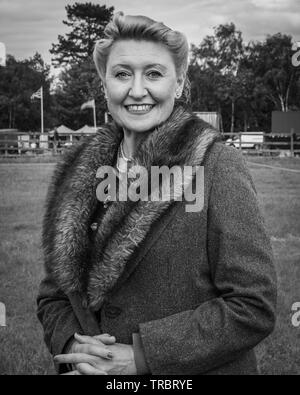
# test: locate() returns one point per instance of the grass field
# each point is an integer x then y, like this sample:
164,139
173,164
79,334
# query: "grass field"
23,190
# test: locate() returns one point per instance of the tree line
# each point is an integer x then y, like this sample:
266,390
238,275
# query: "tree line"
244,82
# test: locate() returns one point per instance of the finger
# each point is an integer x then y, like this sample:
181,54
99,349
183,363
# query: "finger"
72,373
105,338
87,369
98,350
86,339
74,358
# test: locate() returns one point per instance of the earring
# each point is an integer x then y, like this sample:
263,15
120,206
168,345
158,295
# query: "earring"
177,94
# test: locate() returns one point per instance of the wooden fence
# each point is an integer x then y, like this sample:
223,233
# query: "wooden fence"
268,144
265,144
12,147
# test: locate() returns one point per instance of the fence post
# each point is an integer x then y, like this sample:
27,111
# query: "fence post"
292,142
19,145
54,147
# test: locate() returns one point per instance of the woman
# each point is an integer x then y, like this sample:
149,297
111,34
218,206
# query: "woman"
178,291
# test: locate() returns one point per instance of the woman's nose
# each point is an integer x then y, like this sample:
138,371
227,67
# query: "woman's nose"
138,89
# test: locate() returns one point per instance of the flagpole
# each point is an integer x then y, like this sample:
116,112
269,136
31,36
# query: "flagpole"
42,111
94,111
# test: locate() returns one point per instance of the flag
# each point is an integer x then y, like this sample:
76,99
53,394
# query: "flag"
88,104
37,94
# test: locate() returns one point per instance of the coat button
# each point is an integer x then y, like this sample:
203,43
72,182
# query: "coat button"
111,311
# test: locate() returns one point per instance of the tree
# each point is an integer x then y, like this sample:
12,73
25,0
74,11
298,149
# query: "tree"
219,58
18,80
245,83
87,22
79,83
271,62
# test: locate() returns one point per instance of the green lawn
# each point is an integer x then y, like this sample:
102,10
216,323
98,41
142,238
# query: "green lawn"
23,190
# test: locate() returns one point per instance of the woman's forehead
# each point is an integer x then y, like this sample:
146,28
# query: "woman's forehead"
133,52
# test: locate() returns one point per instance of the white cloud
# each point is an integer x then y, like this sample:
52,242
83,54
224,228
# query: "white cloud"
274,5
33,25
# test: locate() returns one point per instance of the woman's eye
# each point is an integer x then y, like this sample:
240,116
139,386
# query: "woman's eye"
154,74
122,75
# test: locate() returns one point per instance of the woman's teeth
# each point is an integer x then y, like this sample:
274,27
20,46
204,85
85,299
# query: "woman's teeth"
140,108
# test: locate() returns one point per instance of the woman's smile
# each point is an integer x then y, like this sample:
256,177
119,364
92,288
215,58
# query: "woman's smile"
139,109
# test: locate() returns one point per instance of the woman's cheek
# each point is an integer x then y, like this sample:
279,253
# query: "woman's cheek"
115,89
164,94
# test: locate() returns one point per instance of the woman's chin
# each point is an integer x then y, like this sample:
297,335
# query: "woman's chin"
135,128
142,126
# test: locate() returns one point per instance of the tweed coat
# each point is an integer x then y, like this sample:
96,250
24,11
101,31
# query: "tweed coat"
199,287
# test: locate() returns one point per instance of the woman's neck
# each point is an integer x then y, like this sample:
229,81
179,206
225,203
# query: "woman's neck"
131,142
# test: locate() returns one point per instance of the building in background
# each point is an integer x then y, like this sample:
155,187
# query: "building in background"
213,118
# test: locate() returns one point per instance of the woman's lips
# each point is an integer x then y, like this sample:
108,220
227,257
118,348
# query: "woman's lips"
139,108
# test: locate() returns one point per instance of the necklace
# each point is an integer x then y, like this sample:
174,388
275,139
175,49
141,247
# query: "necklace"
122,153
122,160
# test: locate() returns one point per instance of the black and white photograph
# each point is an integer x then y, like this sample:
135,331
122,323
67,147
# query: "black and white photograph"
150,184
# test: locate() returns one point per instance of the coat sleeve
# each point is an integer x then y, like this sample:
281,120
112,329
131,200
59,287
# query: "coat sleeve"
54,309
57,317
242,270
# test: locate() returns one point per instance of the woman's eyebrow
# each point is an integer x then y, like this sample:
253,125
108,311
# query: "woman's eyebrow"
147,66
116,66
157,65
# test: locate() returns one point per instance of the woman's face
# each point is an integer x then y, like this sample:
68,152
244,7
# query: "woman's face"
140,84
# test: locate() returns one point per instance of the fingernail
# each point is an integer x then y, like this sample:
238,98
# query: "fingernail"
110,355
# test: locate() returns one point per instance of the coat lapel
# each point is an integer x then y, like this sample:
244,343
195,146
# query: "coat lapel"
70,203
149,242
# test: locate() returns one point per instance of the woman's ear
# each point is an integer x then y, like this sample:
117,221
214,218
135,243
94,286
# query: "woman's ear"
179,86
104,89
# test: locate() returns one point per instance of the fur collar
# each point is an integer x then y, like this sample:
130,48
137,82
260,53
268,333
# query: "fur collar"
183,139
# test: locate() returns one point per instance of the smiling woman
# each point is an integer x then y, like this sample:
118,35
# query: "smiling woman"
143,70
140,94
151,287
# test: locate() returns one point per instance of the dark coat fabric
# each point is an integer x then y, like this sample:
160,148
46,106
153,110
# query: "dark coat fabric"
199,287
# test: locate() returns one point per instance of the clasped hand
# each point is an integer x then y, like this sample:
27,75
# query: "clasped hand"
99,355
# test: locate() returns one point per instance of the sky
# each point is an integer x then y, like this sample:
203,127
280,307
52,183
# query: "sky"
27,26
